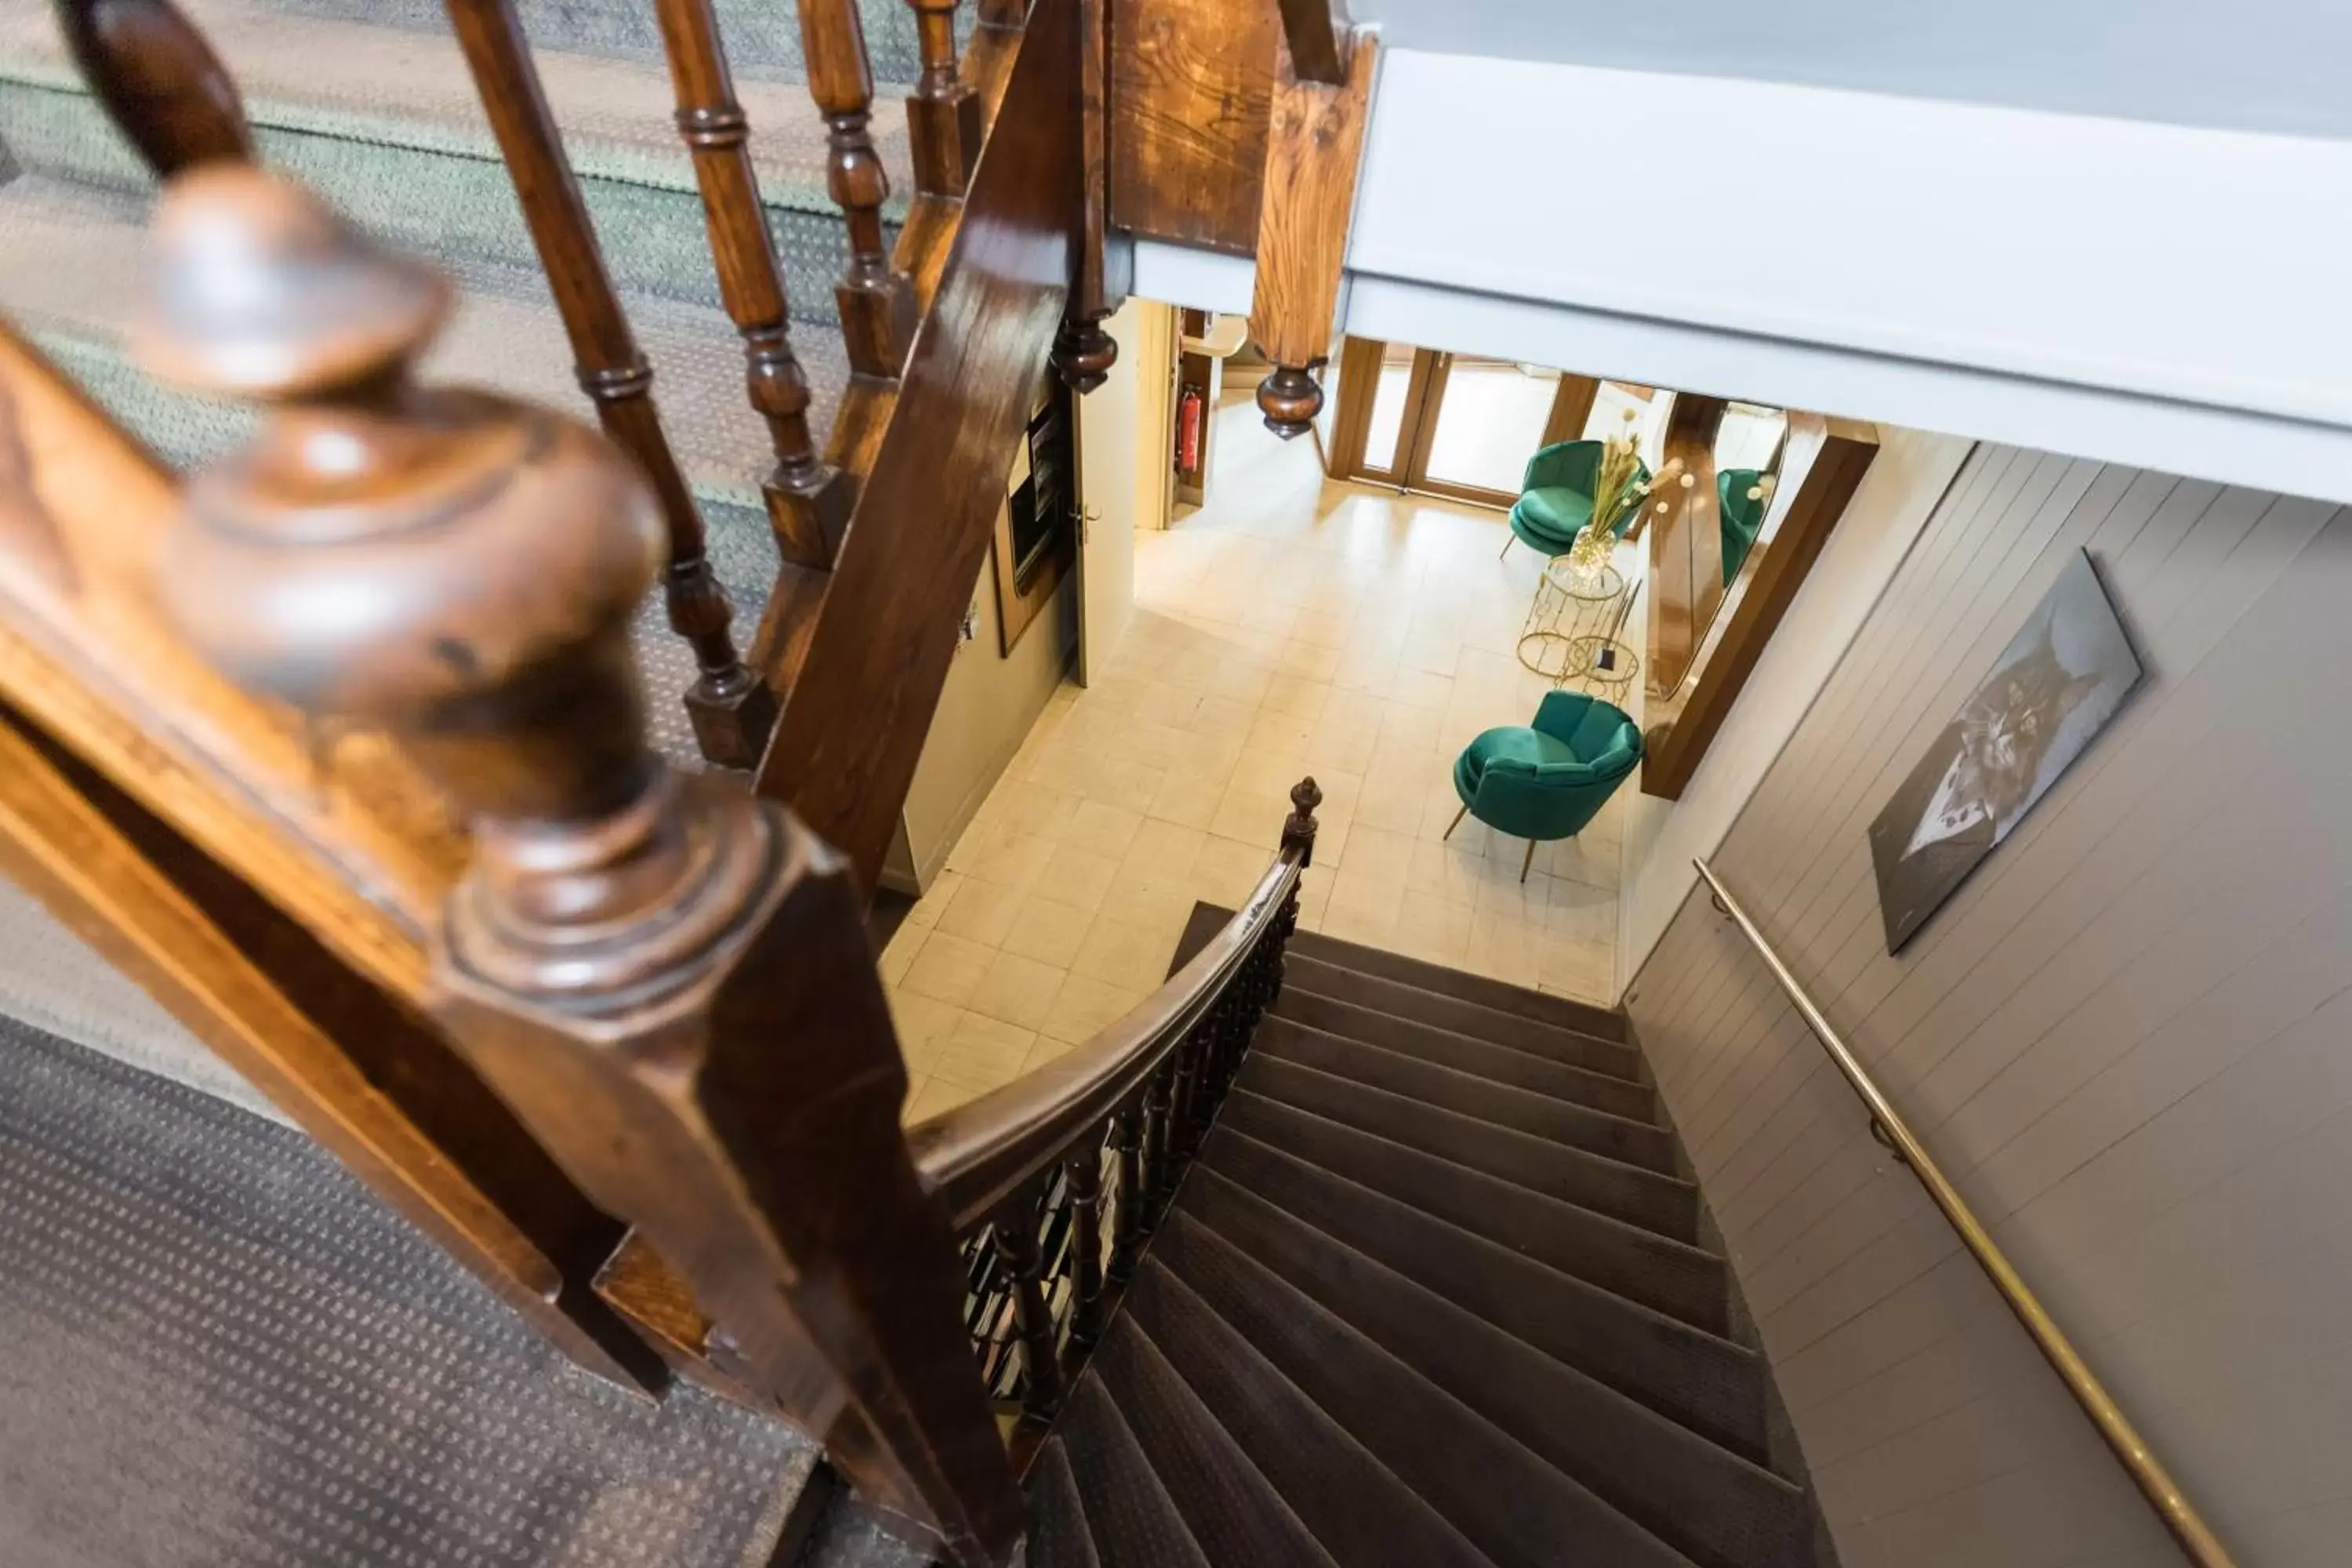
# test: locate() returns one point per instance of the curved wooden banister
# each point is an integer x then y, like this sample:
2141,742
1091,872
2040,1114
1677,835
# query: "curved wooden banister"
978,1154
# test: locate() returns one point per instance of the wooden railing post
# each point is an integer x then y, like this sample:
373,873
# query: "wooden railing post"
731,707
944,115
669,981
809,501
1127,1209
1315,137
1033,1317
1082,1171
160,81
1083,352
877,305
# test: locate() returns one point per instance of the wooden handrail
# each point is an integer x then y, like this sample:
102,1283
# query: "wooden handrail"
978,1154
2196,1539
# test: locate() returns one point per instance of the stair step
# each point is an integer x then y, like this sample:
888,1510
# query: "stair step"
1582,1018
1231,1508
386,123
1404,1000
1516,1507
1058,1537
1134,1522
1450,1089
1659,1203
69,268
1500,1064
1360,1514
1640,1265
1709,1384
1716,1507
764,39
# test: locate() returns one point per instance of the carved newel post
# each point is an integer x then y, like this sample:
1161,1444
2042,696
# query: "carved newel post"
667,980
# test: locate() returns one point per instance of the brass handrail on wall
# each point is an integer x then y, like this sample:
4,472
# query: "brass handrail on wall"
2197,1540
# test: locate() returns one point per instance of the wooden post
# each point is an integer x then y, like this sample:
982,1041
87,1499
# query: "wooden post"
1083,1170
160,81
943,116
1314,144
1083,352
668,980
877,305
809,501
1317,32
1032,1315
731,707
1127,1211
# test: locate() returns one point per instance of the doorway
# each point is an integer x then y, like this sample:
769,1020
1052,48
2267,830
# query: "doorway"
1457,426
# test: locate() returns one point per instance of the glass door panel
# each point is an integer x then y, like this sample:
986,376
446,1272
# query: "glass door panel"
1491,415
1392,401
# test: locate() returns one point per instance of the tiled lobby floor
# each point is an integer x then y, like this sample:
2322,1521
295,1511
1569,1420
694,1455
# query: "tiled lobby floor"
1289,627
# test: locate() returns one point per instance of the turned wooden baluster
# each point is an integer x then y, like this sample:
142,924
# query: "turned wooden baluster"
944,115
667,980
160,81
732,709
877,305
1158,1144
1127,1210
1083,352
809,501
1084,1173
1033,1316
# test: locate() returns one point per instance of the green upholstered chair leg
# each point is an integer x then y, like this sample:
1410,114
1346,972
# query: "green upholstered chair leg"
1456,823
1527,860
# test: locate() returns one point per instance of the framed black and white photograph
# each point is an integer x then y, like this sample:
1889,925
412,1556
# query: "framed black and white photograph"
2053,689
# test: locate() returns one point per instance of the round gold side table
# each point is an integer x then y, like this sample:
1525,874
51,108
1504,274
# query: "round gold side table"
1603,665
1570,605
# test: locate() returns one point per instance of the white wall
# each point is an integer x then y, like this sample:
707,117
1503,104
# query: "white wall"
1908,477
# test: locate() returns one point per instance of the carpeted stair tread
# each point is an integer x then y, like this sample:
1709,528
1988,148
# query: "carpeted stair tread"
763,39
1706,1501
223,1348
1578,1127
1499,995
1640,1265
1709,1384
1404,1000
1058,1537
1134,1522
1511,1503
354,79
1500,1064
1359,1512
386,123
69,267
1656,1202
1233,1512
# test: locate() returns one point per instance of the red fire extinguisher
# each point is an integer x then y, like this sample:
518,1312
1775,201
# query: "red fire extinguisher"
1188,431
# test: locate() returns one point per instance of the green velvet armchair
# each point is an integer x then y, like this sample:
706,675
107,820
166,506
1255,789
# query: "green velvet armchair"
1547,780
1556,497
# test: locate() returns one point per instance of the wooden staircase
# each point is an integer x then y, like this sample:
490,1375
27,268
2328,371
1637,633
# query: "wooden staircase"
1432,1293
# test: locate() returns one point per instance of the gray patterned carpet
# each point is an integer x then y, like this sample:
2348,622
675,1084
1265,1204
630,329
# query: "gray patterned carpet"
218,1348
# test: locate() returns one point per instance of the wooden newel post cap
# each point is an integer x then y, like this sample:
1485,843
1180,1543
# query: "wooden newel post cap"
1298,827
453,567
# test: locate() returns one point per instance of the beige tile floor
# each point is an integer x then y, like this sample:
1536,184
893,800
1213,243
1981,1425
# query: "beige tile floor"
1291,626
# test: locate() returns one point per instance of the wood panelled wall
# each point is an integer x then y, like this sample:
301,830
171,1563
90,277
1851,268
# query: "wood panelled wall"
2128,1039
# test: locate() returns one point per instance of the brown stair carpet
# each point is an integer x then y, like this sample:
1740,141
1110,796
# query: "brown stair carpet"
1430,1294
